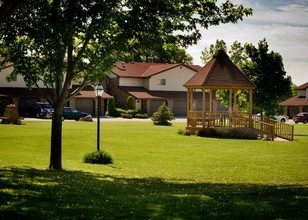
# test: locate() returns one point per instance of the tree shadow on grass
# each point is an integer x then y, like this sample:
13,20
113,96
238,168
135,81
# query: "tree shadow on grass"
39,194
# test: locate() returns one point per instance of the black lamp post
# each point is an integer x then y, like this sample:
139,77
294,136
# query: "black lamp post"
99,90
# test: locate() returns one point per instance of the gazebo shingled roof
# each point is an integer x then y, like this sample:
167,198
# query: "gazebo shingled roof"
220,72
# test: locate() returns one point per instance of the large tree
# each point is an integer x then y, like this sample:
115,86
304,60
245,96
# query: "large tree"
59,41
267,71
7,7
158,53
264,68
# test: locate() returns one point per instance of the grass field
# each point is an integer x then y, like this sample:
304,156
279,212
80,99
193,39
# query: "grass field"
156,174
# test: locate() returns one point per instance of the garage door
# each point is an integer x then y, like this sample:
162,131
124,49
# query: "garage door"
154,105
24,104
4,101
179,107
85,105
293,110
199,105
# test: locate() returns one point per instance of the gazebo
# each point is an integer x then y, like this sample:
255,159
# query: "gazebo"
220,73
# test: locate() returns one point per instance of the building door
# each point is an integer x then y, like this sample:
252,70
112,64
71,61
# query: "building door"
154,105
293,110
4,101
138,104
85,105
179,107
24,104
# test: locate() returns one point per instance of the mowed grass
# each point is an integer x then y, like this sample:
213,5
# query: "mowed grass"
156,174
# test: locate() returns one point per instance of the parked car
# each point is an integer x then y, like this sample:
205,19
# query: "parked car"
72,113
281,118
41,110
301,117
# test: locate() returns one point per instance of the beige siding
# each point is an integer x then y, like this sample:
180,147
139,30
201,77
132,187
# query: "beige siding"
175,79
18,83
301,93
131,82
146,83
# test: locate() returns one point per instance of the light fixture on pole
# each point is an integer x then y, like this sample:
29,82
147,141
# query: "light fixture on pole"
99,90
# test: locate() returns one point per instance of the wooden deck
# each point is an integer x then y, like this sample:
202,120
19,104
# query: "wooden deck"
248,123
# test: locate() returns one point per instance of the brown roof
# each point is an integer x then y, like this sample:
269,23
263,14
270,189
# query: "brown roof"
142,93
91,94
145,70
88,92
220,72
304,86
24,92
295,101
6,65
40,93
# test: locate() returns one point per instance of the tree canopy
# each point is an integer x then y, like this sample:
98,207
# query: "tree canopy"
61,41
157,53
264,68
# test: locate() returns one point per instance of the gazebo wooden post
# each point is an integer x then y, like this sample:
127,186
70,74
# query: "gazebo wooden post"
203,107
230,106
250,108
188,106
234,101
211,100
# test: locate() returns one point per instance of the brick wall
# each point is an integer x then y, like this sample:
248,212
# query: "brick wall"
119,95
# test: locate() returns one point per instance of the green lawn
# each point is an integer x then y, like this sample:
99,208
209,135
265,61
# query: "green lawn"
156,174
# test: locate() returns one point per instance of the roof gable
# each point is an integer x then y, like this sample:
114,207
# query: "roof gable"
304,86
220,72
145,70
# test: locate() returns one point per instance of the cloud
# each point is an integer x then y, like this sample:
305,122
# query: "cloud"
284,24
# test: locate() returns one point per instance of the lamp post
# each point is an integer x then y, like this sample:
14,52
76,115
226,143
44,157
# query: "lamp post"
99,90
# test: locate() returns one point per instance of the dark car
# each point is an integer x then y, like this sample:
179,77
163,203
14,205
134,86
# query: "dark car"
72,113
41,110
301,117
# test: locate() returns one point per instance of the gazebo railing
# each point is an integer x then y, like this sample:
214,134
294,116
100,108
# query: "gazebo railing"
200,119
218,119
282,130
208,119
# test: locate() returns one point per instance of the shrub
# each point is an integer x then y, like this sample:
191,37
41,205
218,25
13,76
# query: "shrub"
207,133
86,118
120,111
140,115
183,132
126,115
231,133
98,157
111,108
130,102
132,111
162,116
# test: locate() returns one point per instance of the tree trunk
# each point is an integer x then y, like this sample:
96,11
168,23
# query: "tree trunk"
56,141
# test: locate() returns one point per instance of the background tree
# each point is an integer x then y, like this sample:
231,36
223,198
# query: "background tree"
61,41
130,102
7,7
207,54
265,69
162,116
111,108
158,53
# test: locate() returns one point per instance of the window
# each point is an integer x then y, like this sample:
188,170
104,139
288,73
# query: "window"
161,82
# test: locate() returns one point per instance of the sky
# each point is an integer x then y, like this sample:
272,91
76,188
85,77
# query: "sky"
284,25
